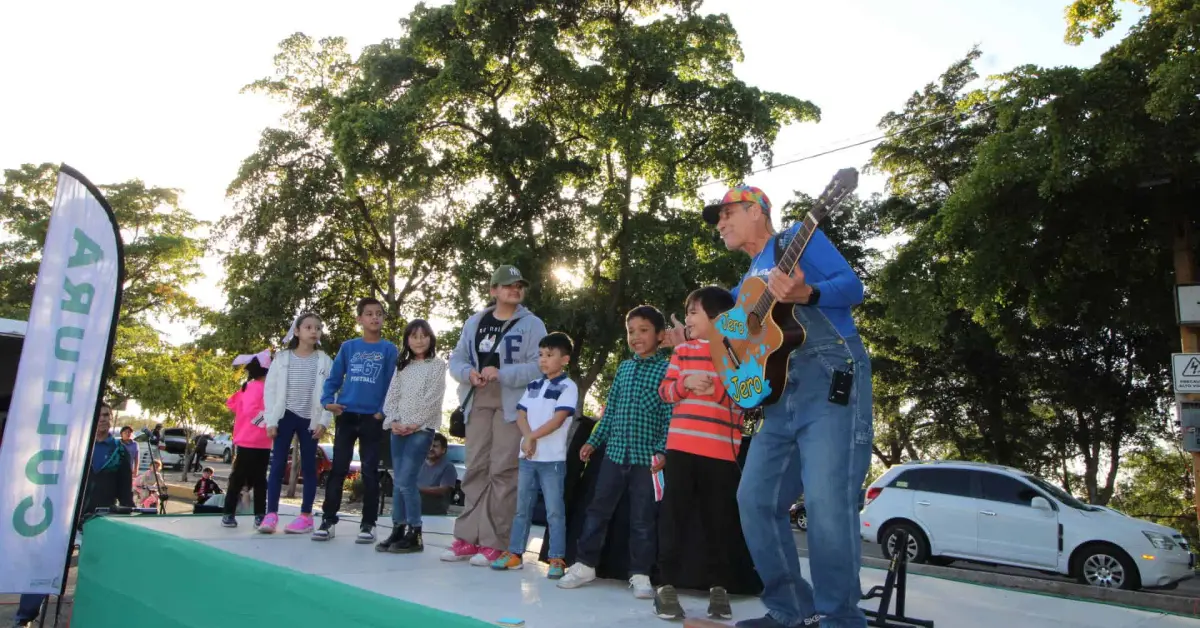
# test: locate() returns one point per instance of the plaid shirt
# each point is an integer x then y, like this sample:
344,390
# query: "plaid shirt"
635,421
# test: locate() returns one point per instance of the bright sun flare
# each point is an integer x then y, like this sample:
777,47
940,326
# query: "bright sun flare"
568,277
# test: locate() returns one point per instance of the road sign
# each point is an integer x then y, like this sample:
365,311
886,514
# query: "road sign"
1185,371
1187,303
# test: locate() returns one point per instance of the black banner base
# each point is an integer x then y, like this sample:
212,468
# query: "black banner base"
895,583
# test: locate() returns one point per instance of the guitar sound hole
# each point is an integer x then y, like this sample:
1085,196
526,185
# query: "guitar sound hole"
753,323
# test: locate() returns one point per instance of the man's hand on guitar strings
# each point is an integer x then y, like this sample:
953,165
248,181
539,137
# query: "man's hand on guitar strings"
789,289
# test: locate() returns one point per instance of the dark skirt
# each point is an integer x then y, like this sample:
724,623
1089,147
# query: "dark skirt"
614,559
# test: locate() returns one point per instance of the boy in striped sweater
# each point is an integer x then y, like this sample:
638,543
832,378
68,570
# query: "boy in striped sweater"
701,474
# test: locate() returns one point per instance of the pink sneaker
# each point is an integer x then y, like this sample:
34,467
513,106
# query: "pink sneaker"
268,523
486,556
300,525
459,550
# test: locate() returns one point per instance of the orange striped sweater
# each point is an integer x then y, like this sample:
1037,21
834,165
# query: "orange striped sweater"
705,425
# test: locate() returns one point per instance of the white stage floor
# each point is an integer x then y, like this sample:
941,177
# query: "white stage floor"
487,595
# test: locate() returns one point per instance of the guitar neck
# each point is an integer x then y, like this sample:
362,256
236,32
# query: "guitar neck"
787,262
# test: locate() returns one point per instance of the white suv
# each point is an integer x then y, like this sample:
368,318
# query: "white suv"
1003,516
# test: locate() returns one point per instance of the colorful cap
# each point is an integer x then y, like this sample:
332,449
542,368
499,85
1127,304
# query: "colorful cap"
737,194
506,275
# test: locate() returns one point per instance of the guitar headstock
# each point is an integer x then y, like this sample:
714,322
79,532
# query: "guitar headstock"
843,184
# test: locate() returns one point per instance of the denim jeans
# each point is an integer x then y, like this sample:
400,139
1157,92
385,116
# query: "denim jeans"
613,481
548,476
30,606
293,424
811,446
408,454
368,431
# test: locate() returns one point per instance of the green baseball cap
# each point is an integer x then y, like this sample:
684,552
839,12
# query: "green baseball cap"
507,275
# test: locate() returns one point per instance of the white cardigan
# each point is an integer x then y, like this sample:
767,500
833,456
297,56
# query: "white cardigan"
275,391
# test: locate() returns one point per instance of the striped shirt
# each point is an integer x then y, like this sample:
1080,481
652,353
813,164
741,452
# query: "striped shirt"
634,425
705,425
301,380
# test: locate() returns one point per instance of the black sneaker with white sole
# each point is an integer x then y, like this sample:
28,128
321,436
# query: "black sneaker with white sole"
325,532
366,534
718,604
666,603
229,521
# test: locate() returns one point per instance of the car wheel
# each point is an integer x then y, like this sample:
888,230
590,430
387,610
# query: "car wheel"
228,456
802,522
918,546
1106,566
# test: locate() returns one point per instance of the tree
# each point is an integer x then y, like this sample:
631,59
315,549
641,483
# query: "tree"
162,253
572,136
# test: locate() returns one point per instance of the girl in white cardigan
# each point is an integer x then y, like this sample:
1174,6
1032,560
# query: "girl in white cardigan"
412,412
293,408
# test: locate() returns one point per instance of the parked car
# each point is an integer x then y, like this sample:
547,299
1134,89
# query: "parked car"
324,467
999,515
355,462
220,446
172,446
457,455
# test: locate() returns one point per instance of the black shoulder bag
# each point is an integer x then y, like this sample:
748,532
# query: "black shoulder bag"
458,418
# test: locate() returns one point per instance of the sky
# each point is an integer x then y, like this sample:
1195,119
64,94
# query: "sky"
152,90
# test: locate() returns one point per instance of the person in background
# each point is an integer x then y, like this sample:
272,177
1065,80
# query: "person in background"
412,413
206,486
634,434
250,437
151,479
497,357
293,409
360,377
200,454
437,478
130,446
544,415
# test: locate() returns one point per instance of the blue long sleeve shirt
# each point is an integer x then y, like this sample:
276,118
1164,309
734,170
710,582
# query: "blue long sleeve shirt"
826,270
360,376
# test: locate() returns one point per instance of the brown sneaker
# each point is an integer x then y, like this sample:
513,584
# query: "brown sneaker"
666,603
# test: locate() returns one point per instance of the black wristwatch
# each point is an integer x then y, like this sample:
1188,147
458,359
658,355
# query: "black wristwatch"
815,297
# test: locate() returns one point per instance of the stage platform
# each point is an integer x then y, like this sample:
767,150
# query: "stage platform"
189,571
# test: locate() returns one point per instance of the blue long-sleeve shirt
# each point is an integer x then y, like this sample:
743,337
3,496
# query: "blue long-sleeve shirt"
360,376
826,270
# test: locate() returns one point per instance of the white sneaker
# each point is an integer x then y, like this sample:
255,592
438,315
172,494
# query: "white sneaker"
641,587
479,560
577,575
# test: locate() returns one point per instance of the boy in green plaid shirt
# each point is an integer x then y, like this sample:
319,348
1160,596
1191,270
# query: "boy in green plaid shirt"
634,431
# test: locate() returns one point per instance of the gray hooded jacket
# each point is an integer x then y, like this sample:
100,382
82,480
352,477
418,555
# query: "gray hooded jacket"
518,352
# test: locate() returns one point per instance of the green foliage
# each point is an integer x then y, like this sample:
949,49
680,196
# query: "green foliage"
162,256
1159,486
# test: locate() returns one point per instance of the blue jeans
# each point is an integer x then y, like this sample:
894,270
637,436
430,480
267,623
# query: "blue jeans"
30,606
293,424
408,454
548,476
811,446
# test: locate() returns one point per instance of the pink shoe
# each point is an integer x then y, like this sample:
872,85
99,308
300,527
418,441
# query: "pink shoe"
300,525
268,523
459,550
486,556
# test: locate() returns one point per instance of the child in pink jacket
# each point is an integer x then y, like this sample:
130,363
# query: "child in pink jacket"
250,437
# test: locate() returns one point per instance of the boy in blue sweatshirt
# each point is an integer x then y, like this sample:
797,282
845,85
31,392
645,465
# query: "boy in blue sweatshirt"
361,374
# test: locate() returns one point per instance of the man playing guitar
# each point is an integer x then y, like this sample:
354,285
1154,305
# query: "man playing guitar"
816,440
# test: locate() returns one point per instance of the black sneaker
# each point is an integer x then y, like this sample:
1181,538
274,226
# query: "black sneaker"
325,532
410,543
258,519
366,534
666,603
229,521
718,604
393,538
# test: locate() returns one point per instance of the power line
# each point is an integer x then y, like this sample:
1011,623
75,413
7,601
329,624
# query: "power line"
866,141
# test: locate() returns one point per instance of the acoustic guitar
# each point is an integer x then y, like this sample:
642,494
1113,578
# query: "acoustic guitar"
752,343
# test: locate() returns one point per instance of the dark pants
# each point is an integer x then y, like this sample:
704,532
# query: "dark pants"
30,606
614,481
368,432
249,469
290,425
700,495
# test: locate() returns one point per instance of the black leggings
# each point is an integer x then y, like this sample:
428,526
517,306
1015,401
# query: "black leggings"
249,469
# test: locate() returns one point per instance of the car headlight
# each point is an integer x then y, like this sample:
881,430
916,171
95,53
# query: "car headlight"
1160,541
